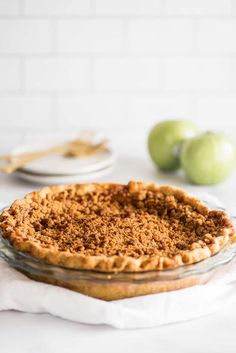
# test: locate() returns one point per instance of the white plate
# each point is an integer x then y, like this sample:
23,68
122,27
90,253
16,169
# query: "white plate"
54,164
63,179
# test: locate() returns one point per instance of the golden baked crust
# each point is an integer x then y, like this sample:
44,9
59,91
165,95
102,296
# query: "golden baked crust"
114,227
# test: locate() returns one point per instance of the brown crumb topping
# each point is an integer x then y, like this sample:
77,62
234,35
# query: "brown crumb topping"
114,221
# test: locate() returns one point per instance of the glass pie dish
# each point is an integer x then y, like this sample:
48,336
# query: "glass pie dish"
113,286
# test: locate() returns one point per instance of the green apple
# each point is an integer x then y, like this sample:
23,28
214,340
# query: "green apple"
164,140
208,158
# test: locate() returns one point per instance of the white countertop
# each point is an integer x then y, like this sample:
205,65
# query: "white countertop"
22,332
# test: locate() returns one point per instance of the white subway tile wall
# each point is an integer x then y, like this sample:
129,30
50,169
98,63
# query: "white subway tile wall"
116,64
53,74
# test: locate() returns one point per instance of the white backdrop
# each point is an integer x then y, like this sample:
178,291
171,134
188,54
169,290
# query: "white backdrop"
116,64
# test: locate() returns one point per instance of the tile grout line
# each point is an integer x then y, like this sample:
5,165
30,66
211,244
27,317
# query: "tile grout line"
92,75
54,36
93,15
195,44
54,99
124,38
22,70
132,55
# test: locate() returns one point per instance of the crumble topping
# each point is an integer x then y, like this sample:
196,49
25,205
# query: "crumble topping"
114,221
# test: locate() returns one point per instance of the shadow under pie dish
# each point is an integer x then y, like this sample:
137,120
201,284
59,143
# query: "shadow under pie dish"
113,241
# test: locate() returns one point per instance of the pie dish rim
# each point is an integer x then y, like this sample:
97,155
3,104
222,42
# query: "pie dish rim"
112,286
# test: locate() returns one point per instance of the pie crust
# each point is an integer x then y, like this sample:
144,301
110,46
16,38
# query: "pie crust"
116,228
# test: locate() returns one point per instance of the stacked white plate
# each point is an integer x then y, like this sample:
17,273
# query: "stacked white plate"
57,169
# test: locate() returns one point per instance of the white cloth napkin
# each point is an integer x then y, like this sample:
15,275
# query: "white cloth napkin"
21,293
